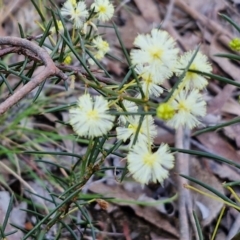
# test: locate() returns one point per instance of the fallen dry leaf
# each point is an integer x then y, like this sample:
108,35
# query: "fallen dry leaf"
218,102
149,214
207,7
134,25
219,146
233,132
208,207
17,216
224,171
232,106
149,11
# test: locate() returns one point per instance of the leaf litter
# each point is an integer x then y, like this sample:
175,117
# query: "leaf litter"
191,23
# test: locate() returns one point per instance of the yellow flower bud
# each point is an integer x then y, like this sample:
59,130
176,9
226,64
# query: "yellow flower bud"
234,44
165,111
67,59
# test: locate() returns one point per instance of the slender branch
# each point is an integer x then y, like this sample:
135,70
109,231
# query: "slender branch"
182,167
49,70
62,67
79,70
8,50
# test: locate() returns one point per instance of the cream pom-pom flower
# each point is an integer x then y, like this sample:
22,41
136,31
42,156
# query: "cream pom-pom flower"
91,118
200,63
151,89
158,51
104,9
145,72
76,11
146,166
146,133
101,46
129,107
149,81
183,110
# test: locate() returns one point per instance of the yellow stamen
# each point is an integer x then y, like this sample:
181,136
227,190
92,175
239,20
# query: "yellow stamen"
93,114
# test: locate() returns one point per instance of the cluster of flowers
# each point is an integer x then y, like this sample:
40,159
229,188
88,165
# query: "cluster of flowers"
81,18
155,60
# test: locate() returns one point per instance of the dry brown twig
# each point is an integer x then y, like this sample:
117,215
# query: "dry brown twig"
63,67
100,78
224,35
50,69
182,166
